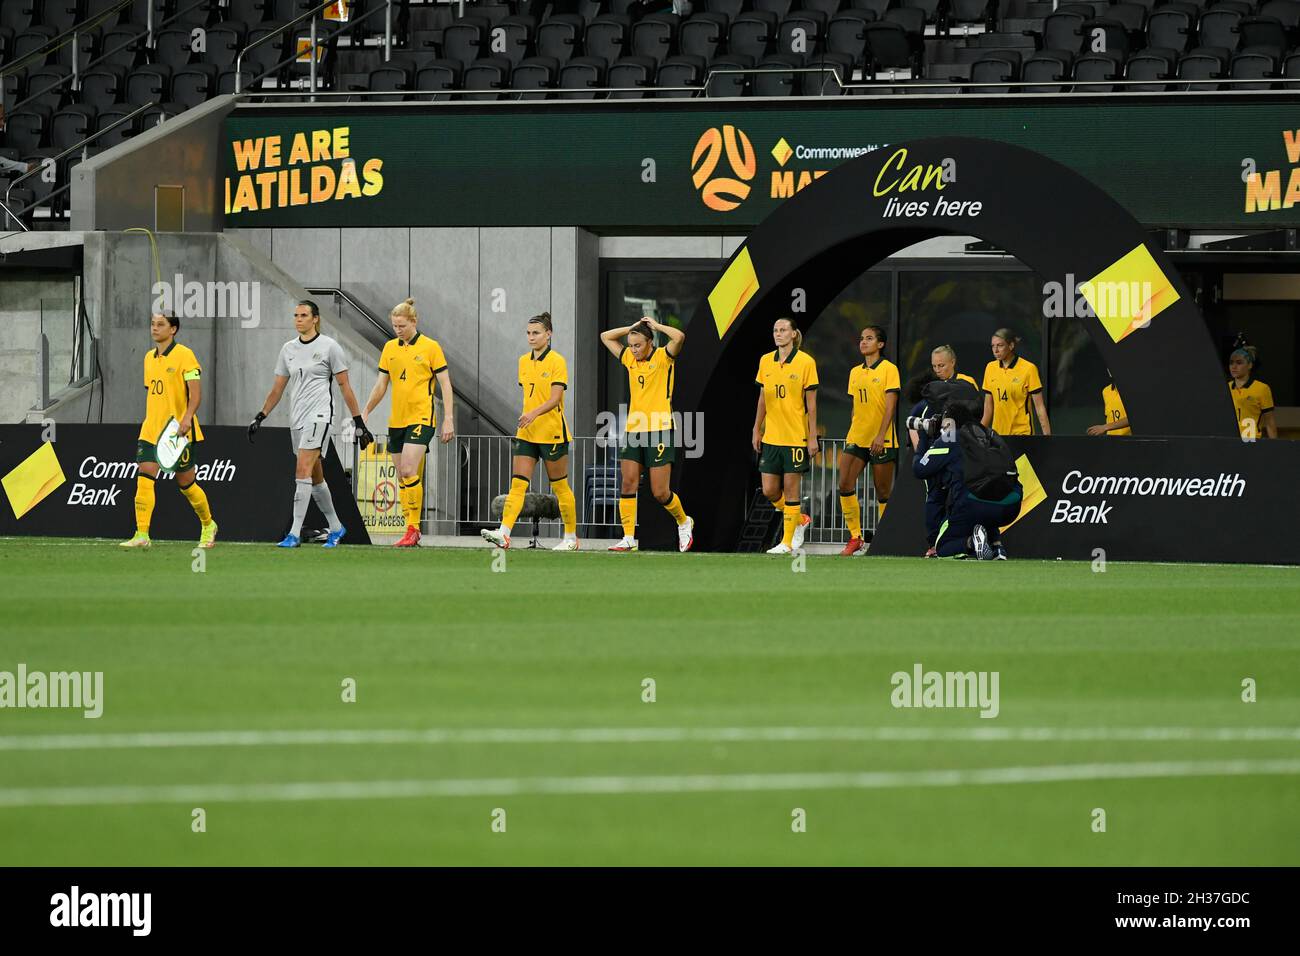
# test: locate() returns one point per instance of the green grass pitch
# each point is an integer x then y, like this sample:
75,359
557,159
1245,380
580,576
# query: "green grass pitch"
1119,691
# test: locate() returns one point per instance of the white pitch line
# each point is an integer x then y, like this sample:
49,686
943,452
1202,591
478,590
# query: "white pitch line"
633,735
191,794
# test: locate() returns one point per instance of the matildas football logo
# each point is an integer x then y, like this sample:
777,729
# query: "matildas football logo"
723,193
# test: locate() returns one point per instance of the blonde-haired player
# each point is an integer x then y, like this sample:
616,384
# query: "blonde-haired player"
173,389
873,433
411,362
649,441
943,362
543,433
1010,383
785,428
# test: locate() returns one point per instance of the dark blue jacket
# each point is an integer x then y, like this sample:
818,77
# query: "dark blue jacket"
940,465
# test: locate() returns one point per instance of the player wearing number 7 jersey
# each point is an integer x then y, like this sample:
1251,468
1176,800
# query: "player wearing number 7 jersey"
785,428
412,361
649,442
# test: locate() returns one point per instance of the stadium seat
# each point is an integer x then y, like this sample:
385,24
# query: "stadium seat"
780,9
261,63
149,83
1097,68
752,34
803,29
102,86
703,35
1253,65
486,77
1219,28
120,133
655,36
1201,64
582,73
33,39
1170,29
1246,9
194,84
464,40
1153,63
1291,70
875,7
560,37
998,68
172,46
225,40
535,76
847,34
439,78
685,72
49,86
772,78
17,16
728,8
1132,15
71,125
729,83
1263,33
1048,68
826,83
393,80
512,38
891,50
967,14
911,19
1105,36
828,8
251,12
607,37
86,47
494,13
1286,12
635,74
121,46
1063,30
26,130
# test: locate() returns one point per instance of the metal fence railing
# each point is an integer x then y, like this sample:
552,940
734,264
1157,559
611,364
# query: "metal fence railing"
463,477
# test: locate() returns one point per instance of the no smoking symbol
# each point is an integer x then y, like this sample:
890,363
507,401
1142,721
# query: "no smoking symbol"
385,496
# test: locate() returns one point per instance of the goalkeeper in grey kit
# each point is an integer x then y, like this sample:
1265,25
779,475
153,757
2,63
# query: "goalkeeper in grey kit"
311,361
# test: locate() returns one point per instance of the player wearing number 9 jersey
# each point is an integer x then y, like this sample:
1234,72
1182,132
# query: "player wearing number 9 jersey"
411,362
785,428
173,389
649,441
543,433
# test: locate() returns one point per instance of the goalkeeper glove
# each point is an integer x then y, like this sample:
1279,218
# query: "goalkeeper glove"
364,438
254,425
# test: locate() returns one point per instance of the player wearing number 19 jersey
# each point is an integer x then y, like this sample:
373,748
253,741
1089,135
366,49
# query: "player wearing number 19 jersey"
173,389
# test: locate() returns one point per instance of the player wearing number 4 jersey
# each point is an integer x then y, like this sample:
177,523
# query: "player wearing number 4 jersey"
173,390
411,362
649,442
785,428
310,362
543,433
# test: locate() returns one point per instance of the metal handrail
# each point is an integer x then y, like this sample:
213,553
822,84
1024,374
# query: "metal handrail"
76,71
387,334
54,159
315,43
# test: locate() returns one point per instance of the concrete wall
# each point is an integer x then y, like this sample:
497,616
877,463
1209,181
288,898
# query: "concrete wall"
115,190
474,290
29,305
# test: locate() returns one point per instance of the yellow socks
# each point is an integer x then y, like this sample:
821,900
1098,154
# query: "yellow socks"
852,513
627,514
410,493
514,503
144,498
792,515
674,508
880,508
198,501
568,505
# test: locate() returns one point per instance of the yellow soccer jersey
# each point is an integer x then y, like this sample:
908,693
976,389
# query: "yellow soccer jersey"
1251,401
650,387
536,376
1011,387
869,385
963,377
1114,409
784,385
166,382
412,366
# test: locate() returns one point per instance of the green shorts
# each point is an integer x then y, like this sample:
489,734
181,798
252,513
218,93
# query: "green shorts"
547,452
864,452
409,435
783,460
148,452
650,449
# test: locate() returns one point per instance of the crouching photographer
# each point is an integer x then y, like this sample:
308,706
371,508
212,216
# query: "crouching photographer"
973,466
936,494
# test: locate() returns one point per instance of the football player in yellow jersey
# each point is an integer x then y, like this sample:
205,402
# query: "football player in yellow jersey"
1009,383
1252,399
411,362
649,440
785,428
943,361
873,434
1116,422
543,433
173,389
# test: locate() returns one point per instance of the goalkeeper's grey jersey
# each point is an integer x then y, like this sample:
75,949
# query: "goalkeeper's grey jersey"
310,368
